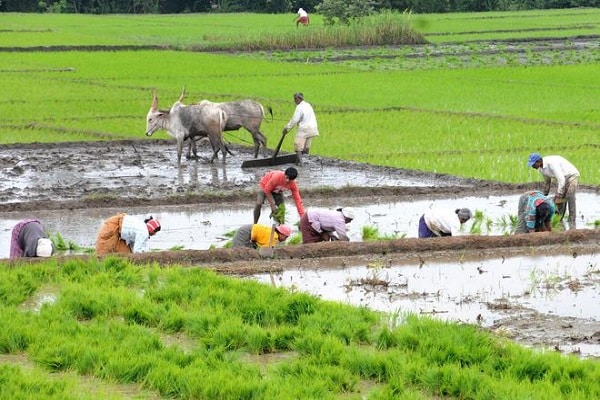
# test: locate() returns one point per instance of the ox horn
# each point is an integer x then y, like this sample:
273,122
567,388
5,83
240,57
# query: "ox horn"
154,101
182,95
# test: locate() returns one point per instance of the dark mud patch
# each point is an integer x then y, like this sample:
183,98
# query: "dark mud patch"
79,175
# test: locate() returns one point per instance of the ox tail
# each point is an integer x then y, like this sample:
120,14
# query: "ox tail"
222,122
270,109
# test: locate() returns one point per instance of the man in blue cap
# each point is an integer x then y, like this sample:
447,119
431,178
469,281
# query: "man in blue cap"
567,178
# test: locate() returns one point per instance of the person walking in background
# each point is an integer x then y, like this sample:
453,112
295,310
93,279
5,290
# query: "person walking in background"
304,116
442,222
256,236
271,187
29,239
325,225
124,234
567,178
535,212
302,18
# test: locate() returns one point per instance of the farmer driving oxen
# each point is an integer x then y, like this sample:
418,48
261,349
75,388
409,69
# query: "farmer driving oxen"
304,116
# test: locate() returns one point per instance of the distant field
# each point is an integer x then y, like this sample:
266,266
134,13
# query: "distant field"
480,117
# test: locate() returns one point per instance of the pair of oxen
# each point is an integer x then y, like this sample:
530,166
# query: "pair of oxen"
207,119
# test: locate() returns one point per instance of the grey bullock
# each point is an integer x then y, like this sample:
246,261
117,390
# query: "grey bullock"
247,114
188,122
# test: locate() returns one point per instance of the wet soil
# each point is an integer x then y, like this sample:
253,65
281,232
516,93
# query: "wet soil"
122,174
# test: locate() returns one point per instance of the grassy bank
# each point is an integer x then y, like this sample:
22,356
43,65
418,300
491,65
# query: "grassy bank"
188,333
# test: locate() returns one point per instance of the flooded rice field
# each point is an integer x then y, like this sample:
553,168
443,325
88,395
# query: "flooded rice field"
543,295
502,294
202,226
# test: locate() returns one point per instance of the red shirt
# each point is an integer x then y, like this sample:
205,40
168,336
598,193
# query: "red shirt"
275,182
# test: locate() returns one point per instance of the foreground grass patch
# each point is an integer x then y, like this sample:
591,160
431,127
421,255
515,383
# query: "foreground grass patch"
112,320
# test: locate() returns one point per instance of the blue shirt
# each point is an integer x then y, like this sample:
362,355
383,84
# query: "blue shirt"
534,199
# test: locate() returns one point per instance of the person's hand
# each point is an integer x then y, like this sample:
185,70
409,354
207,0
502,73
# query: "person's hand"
558,199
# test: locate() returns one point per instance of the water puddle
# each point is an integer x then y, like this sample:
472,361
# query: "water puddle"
198,227
487,292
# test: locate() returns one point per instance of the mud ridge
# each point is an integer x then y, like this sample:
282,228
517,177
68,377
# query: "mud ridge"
243,261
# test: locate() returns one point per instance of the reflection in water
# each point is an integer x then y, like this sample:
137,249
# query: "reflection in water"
189,179
215,174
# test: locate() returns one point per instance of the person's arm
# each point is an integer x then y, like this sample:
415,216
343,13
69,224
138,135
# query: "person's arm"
559,175
140,243
530,218
271,201
295,119
297,198
547,185
340,230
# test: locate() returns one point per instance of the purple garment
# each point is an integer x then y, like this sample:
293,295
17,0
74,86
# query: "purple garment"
328,221
424,231
23,242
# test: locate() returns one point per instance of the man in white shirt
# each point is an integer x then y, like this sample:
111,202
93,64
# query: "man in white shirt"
304,116
567,178
443,222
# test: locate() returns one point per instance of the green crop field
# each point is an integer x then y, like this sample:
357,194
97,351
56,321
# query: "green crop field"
465,101
478,121
478,117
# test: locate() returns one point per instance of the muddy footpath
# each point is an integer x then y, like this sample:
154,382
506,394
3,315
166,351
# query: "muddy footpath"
69,183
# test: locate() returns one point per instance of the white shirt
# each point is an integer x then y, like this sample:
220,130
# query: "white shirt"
302,13
304,116
559,168
445,221
135,233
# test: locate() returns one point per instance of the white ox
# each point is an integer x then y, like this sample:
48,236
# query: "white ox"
247,114
188,122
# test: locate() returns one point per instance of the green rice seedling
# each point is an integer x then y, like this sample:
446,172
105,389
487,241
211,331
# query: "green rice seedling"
295,239
279,215
477,222
371,233
60,244
33,384
176,248
259,340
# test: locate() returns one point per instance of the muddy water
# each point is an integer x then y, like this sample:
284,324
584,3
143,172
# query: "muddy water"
198,227
480,292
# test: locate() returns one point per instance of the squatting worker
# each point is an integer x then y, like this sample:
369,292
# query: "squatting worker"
325,225
271,187
442,222
257,235
124,234
304,116
29,239
567,178
302,18
535,212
